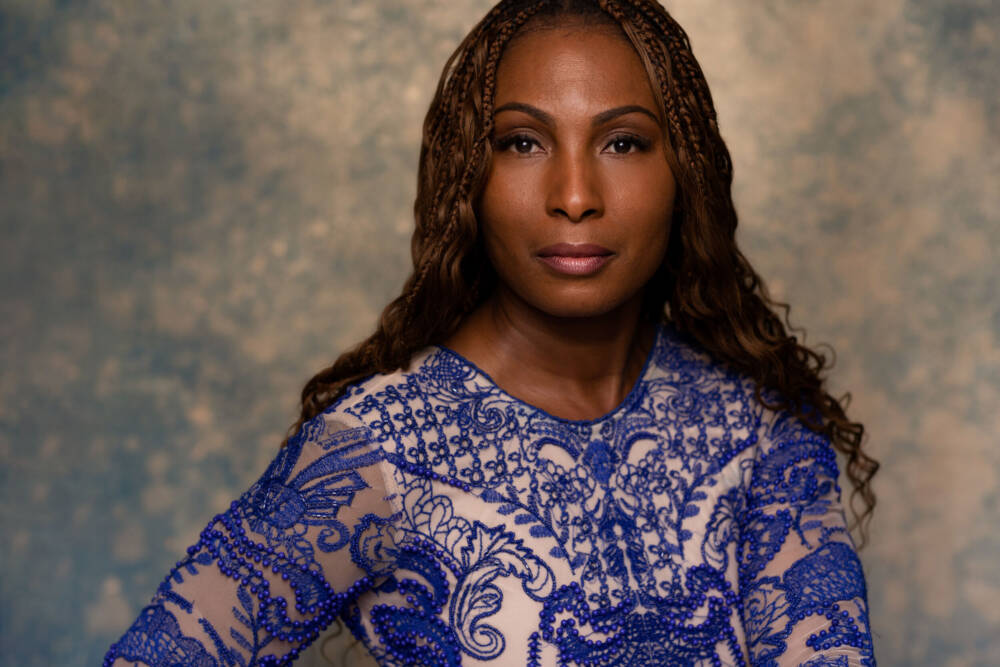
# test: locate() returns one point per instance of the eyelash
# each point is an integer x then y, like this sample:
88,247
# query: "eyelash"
641,145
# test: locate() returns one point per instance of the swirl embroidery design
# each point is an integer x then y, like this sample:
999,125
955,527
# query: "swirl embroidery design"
687,527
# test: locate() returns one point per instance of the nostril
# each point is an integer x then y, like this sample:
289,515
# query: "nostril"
577,217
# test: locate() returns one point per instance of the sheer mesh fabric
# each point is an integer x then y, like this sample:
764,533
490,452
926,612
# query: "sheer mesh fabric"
445,522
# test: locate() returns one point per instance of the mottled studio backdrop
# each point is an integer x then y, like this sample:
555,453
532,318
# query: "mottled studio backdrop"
203,201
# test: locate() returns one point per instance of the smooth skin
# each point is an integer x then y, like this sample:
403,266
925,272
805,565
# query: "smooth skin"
579,157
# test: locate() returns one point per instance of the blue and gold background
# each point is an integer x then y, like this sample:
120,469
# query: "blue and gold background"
201,203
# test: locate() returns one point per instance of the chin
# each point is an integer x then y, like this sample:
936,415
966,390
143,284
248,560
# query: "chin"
572,304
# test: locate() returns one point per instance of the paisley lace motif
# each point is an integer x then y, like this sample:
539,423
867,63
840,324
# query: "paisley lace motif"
155,639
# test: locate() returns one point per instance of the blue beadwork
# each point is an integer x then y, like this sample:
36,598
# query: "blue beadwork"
689,526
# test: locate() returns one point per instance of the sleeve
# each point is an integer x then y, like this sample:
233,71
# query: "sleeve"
270,574
802,587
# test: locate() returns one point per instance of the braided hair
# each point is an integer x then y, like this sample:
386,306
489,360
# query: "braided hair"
706,288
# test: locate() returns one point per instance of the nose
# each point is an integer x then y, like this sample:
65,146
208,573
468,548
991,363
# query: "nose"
574,190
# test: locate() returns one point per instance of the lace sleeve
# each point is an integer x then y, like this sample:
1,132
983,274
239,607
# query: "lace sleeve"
269,574
803,590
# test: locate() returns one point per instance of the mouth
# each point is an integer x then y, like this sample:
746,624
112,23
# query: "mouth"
575,259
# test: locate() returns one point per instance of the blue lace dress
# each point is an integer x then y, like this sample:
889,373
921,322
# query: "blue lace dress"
445,522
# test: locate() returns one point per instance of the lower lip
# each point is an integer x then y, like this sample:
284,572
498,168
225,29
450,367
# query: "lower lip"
576,266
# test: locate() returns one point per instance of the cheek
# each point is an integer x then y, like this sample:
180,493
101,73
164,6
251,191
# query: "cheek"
500,246
501,205
666,200
495,244
651,219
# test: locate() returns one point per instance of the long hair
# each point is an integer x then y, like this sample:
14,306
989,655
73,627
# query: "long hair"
706,288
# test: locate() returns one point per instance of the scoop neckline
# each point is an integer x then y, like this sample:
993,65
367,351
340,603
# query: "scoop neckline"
625,403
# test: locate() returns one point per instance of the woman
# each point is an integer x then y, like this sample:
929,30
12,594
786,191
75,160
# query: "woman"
581,436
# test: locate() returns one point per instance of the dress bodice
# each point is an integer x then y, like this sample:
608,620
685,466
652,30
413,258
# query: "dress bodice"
445,522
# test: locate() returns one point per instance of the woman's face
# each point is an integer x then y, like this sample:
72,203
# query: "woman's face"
575,214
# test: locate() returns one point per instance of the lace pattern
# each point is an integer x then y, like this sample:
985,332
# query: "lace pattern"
445,522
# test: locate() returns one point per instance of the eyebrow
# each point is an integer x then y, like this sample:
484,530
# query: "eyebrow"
599,119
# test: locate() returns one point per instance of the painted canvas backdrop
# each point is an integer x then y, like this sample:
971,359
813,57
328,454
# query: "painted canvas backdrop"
202,203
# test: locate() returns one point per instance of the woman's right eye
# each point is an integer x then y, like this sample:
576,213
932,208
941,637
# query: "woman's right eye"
520,143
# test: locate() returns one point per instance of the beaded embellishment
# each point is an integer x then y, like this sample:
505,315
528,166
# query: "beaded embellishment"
689,526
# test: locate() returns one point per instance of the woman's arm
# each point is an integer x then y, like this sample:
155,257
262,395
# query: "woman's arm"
269,574
802,586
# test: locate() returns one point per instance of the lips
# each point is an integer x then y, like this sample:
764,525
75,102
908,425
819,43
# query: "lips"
575,259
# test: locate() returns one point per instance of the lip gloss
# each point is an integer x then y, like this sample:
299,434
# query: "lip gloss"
575,259
576,266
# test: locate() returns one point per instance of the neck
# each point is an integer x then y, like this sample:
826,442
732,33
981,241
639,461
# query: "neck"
572,367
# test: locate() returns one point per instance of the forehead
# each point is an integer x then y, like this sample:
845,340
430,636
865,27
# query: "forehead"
548,61
563,63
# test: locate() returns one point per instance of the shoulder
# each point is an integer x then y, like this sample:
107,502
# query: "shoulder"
381,390
678,358
712,387
344,434
792,458
694,383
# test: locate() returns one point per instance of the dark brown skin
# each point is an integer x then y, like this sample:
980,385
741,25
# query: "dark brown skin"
579,157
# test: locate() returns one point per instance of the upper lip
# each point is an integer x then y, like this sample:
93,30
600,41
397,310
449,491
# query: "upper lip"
573,250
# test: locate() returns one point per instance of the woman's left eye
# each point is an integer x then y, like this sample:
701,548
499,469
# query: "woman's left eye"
625,143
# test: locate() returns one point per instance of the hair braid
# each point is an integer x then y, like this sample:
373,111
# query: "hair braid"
687,71
678,118
477,138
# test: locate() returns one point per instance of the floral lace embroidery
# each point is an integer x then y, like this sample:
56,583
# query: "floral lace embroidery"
688,526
